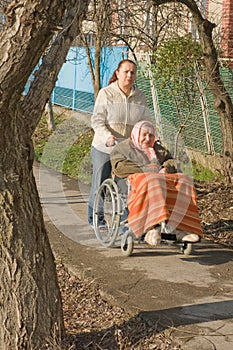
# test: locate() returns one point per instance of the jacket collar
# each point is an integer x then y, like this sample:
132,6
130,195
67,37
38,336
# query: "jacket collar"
115,85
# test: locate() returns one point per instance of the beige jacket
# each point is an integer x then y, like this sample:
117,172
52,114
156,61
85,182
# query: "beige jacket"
115,114
126,159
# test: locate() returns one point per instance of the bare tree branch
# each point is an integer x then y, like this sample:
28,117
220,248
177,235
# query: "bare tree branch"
52,62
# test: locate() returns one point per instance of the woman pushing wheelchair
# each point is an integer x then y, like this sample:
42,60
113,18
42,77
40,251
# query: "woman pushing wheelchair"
160,198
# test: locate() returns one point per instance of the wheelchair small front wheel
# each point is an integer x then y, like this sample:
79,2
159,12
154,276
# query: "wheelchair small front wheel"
106,213
186,248
127,244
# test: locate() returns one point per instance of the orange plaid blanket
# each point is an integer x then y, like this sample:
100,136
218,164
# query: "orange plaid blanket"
154,198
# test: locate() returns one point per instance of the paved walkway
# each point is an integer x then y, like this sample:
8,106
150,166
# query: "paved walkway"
191,297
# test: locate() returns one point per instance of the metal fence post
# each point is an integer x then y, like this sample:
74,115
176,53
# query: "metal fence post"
158,121
205,113
75,79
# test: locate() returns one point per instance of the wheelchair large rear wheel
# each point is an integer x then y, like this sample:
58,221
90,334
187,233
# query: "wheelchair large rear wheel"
106,213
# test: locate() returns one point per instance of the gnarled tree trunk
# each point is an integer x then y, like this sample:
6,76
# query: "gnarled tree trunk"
30,299
223,103
31,308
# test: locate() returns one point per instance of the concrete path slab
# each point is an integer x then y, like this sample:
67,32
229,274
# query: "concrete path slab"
191,297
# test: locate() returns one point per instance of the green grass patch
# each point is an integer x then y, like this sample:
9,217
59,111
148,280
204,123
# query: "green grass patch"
201,173
57,150
78,163
40,137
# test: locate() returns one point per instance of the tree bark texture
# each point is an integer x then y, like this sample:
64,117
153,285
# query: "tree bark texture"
30,301
223,103
31,308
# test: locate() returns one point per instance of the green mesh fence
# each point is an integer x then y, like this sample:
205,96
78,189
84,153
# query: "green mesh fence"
169,118
74,99
197,134
144,85
214,123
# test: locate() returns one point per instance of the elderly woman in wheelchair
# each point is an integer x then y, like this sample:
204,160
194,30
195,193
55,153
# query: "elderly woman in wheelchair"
147,199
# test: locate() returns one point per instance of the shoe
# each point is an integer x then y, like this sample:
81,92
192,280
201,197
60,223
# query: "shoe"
153,237
186,236
192,238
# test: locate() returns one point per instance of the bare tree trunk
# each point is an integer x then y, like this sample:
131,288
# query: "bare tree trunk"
223,103
97,67
94,68
30,298
31,308
99,16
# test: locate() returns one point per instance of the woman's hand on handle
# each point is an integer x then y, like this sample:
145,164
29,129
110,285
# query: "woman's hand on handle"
111,141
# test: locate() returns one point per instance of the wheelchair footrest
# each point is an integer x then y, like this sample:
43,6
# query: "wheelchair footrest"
168,237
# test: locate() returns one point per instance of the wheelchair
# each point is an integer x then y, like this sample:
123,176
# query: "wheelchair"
110,219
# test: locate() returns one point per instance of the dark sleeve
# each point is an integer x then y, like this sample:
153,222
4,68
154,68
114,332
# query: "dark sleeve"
165,158
121,165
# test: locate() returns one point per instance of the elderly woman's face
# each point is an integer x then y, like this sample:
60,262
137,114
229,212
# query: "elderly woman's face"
146,137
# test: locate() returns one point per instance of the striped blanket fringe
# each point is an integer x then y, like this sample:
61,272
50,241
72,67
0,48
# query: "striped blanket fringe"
154,198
